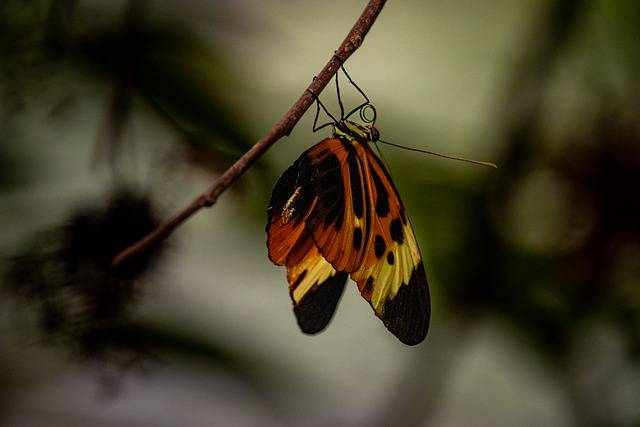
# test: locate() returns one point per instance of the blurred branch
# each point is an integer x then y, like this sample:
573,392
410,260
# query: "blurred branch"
282,128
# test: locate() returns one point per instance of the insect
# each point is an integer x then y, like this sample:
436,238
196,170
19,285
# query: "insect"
336,213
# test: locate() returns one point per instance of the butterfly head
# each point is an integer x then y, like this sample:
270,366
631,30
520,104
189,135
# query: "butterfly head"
357,132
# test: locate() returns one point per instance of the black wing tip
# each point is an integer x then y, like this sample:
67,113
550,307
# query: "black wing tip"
415,338
407,315
316,309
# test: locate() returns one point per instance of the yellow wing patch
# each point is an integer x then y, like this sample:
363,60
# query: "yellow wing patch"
307,269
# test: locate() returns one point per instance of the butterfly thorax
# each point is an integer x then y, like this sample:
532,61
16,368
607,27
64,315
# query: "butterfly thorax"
355,132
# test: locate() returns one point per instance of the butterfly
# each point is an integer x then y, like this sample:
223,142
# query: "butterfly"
336,213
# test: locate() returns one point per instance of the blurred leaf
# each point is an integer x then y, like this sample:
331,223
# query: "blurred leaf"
66,274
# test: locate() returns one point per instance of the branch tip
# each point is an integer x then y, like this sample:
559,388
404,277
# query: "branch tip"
283,127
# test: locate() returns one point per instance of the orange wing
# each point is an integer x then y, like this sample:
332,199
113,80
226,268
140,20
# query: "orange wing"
338,220
315,286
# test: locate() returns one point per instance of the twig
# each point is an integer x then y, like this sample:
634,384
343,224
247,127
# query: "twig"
282,128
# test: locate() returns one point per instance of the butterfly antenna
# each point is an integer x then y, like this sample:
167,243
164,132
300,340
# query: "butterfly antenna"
462,159
384,160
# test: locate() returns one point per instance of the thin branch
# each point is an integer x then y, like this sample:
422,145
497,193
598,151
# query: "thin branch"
282,128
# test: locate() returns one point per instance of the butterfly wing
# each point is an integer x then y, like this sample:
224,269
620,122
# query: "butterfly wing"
392,276
315,286
288,208
338,220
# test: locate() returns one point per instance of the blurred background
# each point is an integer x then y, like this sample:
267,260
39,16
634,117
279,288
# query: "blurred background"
115,114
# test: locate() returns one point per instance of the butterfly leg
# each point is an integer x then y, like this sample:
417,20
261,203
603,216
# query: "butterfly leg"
339,98
365,103
318,105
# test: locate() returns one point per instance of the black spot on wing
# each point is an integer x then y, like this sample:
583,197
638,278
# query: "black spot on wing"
315,310
396,231
407,315
378,246
357,238
382,206
390,258
382,198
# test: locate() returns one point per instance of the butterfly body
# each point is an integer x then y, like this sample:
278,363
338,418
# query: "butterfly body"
354,132
336,213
